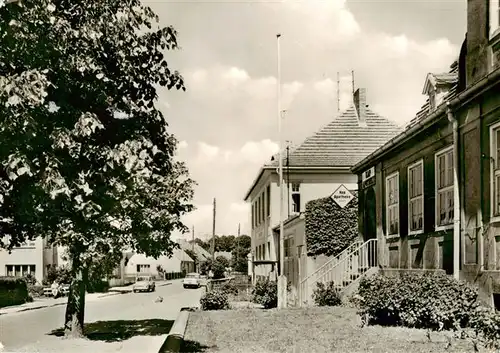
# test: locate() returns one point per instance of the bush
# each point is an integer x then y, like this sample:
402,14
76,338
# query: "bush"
13,291
326,295
35,291
97,286
60,274
230,288
214,300
486,324
30,279
265,293
422,301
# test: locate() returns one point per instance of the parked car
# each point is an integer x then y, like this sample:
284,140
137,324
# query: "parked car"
192,280
144,284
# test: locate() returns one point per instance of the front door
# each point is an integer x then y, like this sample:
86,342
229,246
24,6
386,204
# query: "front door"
370,224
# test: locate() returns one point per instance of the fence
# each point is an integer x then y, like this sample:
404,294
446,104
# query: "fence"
242,282
174,275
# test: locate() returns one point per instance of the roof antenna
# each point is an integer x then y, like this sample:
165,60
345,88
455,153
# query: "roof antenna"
338,92
352,74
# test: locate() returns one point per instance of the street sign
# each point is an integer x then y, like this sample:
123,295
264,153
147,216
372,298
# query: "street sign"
342,196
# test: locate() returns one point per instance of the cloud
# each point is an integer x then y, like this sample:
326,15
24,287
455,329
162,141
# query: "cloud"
229,114
253,152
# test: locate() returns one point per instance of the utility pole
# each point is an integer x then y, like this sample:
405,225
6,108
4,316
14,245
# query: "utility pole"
192,247
281,277
192,239
288,177
237,247
213,234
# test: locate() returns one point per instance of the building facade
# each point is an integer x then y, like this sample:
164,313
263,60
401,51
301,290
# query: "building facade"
431,195
139,264
33,257
313,170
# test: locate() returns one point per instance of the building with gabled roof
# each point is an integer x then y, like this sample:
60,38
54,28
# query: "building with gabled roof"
431,201
312,170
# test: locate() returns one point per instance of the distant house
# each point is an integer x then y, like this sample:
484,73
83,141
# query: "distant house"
201,254
431,200
313,170
139,264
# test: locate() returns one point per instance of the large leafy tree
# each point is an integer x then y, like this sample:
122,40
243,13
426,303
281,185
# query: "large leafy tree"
86,158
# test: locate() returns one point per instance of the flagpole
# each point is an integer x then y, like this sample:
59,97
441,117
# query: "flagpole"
281,278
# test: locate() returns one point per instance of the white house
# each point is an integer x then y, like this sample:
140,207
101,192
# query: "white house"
313,170
34,257
139,264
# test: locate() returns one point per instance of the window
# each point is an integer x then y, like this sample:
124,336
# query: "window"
143,268
263,207
494,18
268,200
20,270
269,250
416,197
253,215
495,169
432,100
295,197
392,204
444,187
260,210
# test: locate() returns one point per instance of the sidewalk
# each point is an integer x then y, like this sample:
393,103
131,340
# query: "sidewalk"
40,303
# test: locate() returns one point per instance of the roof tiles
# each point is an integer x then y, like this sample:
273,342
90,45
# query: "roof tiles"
343,142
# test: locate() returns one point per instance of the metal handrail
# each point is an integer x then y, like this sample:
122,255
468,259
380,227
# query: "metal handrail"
346,262
336,258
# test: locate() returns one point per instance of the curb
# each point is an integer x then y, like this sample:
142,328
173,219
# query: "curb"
53,305
175,337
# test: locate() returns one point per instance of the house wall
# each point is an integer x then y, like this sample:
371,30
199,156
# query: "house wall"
172,264
30,255
433,248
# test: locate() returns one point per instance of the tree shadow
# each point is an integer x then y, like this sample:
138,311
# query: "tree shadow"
121,330
189,346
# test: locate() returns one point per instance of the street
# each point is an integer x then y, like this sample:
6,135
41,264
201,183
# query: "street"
129,322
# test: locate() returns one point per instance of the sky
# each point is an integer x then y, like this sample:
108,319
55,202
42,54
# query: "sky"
226,121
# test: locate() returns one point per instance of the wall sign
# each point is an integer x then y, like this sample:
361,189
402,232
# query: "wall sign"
368,174
342,196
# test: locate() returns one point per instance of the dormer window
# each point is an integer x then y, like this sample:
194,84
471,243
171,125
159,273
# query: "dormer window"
494,15
437,86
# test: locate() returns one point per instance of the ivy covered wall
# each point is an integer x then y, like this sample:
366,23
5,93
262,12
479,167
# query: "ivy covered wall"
329,228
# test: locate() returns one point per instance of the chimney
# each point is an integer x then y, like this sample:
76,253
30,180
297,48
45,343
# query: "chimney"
360,104
477,41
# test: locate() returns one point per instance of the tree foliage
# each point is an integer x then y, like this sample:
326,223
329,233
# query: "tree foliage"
329,228
86,158
227,243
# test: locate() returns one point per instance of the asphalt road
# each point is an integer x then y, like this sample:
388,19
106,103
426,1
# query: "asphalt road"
125,322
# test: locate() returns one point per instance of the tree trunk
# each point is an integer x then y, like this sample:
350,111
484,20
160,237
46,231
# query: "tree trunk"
75,309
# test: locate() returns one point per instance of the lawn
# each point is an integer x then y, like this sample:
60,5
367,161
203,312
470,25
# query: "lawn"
310,330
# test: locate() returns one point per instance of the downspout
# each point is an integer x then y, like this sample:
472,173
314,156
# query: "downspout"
456,196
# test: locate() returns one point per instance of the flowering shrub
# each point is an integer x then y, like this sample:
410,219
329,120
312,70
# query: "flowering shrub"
265,293
432,301
214,300
326,295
